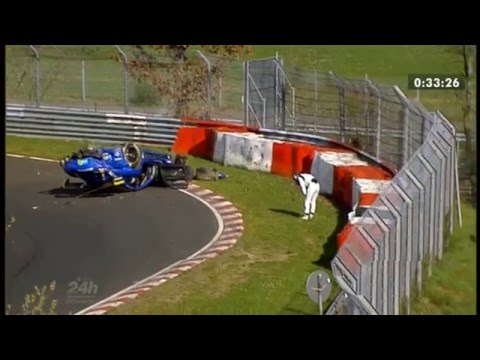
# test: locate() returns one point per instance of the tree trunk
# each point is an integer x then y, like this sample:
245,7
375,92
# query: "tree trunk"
467,107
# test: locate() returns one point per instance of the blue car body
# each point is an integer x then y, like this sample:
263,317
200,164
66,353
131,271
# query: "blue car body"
112,166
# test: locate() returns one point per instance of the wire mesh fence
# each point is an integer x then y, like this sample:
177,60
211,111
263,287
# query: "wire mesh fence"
95,78
395,243
403,234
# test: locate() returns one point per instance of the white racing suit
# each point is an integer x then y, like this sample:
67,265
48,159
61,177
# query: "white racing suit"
310,189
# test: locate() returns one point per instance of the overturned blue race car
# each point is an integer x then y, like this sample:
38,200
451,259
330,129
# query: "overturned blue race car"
126,166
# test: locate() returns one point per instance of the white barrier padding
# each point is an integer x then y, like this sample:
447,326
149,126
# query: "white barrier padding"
248,150
367,186
323,167
356,220
219,147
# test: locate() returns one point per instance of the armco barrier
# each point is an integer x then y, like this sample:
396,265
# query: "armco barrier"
77,124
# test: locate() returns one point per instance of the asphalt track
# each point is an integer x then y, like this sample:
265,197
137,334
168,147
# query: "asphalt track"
95,246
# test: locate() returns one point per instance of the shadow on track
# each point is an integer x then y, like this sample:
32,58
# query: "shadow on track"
75,190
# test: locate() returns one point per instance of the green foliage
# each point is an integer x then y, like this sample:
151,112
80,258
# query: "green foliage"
39,302
144,94
177,74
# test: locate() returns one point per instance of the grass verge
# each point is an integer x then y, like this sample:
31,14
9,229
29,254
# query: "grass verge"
452,288
265,272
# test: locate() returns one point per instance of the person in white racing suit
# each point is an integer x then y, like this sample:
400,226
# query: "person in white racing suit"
310,189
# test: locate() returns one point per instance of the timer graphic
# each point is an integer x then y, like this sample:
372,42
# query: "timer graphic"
436,82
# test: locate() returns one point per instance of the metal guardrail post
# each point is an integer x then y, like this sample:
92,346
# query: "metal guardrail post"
406,124
366,112
341,94
457,188
275,92
379,117
37,75
125,77
285,81
245,90
84,91
284,106
209,81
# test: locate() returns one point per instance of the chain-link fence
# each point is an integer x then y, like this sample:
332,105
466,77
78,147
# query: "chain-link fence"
73,76
375,118
383,262
101,78
385,258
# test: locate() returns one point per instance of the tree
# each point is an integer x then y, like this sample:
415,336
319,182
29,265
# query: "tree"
469,66
466,54
178,74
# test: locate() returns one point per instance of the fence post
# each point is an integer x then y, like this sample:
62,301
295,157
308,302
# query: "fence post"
209,80
457,186
452,179
275,91
366,112
406,120
341,94
83,82
406,124
220,91
293,103
125,77
284,106
264,111
245,91
37,75
316,92
284,81
379,117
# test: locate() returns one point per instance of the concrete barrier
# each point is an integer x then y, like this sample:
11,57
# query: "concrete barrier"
324,164
367,190
248,150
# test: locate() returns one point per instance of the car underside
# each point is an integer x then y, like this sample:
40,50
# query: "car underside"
126,166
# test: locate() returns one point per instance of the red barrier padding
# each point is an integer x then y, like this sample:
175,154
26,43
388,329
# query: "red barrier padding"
343,235
359,246
349,261
290,157
200,141
195,141
343,180
366,199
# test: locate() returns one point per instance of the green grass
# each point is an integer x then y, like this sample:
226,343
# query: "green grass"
389,65
452,288
265,272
